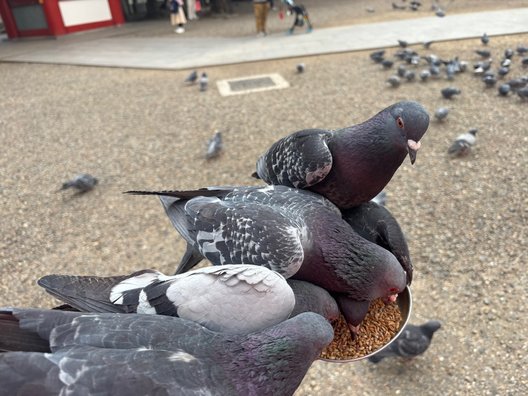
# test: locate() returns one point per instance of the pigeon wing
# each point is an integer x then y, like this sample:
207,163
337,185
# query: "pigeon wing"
411,342
299,160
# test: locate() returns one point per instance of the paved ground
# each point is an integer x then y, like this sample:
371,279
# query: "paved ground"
466,220
121,46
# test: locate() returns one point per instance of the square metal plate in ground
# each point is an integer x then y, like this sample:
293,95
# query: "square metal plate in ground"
249,84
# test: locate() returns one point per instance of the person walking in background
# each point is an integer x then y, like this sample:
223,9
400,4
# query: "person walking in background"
191,10
177,16
261,7
301,15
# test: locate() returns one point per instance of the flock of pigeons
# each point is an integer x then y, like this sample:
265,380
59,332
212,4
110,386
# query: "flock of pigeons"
414,66
288,258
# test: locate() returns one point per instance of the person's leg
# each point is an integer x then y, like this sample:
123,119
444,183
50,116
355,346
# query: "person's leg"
257,8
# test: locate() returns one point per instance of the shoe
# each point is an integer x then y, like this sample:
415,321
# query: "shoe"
180,30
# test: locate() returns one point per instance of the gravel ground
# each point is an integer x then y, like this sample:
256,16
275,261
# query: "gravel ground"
134,129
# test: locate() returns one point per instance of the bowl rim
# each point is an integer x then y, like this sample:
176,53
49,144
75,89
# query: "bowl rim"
408,296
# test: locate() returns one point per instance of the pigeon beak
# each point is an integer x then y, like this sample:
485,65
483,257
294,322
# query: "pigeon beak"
412,148
354,331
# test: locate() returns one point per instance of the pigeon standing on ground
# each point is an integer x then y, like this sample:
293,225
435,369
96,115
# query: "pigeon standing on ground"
219,298
294,232
523,93
204,82
300,68
413,341
350,165
449,92
504,89
377,56
82,183
440,13
214,146
403,43
191,78
485,39
441,113
128,355
394,81
463,144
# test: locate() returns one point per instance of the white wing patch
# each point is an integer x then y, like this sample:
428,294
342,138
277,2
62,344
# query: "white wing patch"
181,356
135,282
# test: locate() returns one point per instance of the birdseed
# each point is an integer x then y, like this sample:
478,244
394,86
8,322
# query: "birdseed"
379,326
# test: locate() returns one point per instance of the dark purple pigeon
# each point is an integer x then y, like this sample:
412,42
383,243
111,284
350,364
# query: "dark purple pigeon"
348,166
126,355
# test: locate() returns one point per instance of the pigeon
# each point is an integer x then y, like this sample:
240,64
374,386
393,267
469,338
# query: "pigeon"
463,144
435,70
484,39
449,92
504,89
82,183
370,9
424,75
394,81
398,7
410,75
440,13
125,355
503,71
483,53
524,61
204,82
387,63
350,165
441,113
214,146
521,50
402,70
523,93
481,67
312,298
377,56
489,80
403,43
192,78
508,53
220,298
380,199
376,224
294,232
300,68
427,44
518,83
413,341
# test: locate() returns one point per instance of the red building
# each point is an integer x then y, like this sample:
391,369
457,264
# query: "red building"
25,18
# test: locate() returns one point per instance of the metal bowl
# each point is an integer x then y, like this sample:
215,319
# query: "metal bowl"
404,302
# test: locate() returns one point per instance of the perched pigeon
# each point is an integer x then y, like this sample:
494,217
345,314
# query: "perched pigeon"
410,75
219,298
300,68
294,232
449,92
126,355
350,165
503,71
377,56
402,70
463,144
504,89
441,113
376,224
508,53
484,39
312,298
204,82
394,81
214,146
424,75
413,341
83,183
191,78
403,43
380,199
489,80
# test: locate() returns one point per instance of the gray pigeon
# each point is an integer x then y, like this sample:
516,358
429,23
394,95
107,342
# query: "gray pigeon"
463,144
504,89
403,43
204,82
397,6
440,13
424,75
441,113
484,39
128,355
301,67
214,146
484,53
449,92
523,93
294,232
220,298
377,56
191,78
312,298
350,165
521,50
413,341
376,224
394,81
82,183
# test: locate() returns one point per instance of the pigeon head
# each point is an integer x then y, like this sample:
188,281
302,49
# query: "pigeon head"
431,327
409,120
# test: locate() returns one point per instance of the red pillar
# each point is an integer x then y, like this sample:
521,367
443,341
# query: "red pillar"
116,11
9,21
53,16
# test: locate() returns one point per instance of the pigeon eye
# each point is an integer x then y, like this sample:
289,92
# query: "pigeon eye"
399,122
